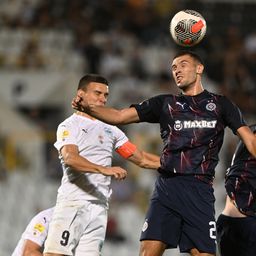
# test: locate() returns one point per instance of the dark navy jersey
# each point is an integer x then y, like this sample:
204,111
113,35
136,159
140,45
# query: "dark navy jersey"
243,163
240,180
192,130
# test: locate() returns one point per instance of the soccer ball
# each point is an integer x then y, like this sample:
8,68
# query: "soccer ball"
188,28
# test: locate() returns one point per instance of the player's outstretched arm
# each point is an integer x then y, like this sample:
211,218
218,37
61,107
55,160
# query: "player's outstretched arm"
106,114
139,157
145,159
72,158
248,138
31,249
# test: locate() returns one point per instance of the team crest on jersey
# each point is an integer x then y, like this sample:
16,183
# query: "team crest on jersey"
211,106
107,130
101,139
145,226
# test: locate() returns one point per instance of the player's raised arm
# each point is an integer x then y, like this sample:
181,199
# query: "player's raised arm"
106,114
139,157
145,159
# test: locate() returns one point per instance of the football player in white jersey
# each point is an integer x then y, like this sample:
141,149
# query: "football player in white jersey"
33,238
85,147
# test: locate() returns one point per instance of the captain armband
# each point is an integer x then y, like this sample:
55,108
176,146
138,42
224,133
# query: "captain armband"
126,150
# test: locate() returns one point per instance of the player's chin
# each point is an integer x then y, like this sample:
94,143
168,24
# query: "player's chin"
180,85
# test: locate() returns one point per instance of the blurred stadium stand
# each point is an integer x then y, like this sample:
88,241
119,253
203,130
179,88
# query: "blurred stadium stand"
47,45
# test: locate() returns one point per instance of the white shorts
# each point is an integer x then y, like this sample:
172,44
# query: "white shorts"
77,228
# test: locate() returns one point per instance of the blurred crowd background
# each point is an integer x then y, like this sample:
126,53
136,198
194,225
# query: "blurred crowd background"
47,45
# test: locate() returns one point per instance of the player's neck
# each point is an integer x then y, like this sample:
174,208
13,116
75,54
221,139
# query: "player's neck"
193,90
85,115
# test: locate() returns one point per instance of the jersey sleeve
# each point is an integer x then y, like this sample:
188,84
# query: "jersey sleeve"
232,115
37,229
65,135
149,110
126,150
120,137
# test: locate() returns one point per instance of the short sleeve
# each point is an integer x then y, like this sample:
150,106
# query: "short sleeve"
232,115
37,229
149,110
120,137
65,135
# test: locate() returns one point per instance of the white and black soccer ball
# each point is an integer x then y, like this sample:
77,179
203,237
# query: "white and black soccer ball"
188,28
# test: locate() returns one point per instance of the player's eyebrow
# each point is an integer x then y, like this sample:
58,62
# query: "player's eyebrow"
180,62
101,92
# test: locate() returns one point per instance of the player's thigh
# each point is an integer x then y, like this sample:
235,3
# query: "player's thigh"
199,227
161,224
63,235
92,239
67,226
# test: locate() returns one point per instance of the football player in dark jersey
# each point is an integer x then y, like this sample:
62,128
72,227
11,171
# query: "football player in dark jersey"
192,123
236,226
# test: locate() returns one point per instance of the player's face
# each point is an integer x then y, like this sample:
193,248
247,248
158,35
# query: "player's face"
95,94
185,70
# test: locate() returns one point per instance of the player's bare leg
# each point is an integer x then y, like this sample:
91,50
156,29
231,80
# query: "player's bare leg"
195,252
152,248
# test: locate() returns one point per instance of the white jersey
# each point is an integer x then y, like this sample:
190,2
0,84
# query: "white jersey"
96,142
36,231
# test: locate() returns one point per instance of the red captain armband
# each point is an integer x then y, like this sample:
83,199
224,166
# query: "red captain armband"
126,150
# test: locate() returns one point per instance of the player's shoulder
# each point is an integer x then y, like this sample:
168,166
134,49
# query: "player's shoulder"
164,97
215,94
72,121
45,214
219,98
69,119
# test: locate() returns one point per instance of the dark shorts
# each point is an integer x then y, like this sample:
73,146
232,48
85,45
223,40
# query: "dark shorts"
181,213
236,236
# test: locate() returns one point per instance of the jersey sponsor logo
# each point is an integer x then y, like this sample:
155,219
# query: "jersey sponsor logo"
179,125
63,134
38,229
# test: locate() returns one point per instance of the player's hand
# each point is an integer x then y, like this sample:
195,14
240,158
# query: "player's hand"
77,104
115,171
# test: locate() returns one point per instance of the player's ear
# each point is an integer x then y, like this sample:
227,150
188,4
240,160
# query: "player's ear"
80,93
200,69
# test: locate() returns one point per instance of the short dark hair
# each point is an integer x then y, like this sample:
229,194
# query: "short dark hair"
192,54
88,78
